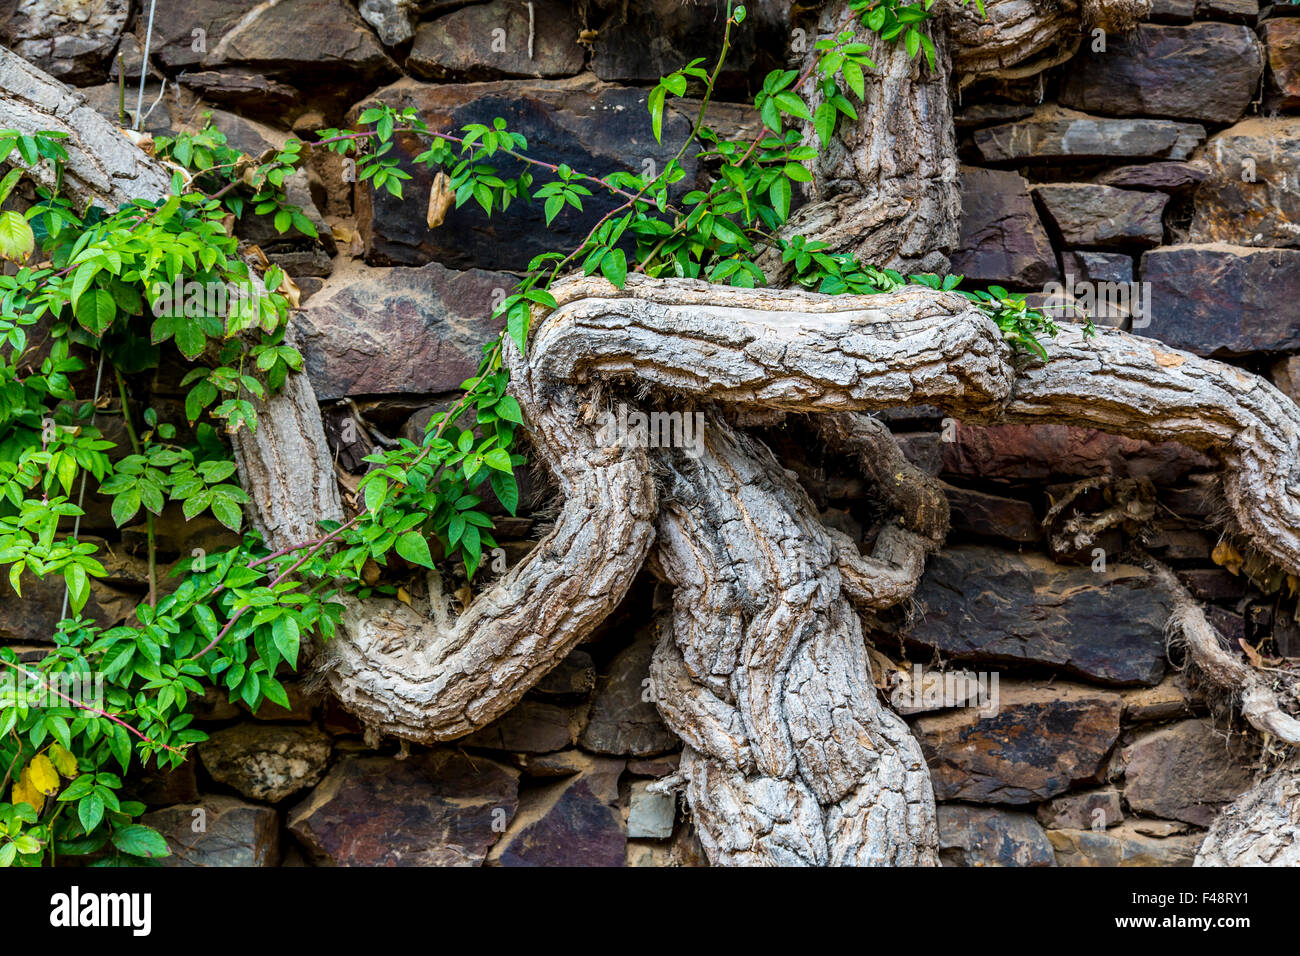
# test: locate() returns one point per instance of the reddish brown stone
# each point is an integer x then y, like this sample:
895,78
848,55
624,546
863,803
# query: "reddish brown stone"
1035,452
438,808
574,822
1043,740
1187,771
1282,39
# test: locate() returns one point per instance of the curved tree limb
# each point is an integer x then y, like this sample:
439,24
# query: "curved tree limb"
103,165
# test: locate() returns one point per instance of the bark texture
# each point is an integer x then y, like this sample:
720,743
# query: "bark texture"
887,189
1262,828
104,166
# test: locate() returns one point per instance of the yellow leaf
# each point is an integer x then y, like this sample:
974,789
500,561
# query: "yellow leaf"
1225,555
63,760
404,596
24,792
43,775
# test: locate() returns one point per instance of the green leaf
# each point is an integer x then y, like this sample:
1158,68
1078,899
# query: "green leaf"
506,489
614,267
90,810
376,492
285,635
139,840
227,512
656,105
780,195
16,238
95,312
415,549
9,182
125,506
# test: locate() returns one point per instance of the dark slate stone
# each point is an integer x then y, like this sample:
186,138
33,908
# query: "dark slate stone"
590,128
980,836
1002,239
1167,176
1086,214
1251,196
370,332
977,512
438,808
460,45
1043,740
1053,133
227,832
622,720
1206,71
575,822
985,605
1097,266
1186,771
1282,40
1222,300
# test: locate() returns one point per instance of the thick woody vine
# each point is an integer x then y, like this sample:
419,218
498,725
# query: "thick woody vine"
754,658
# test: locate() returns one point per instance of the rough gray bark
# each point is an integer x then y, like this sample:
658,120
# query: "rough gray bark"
1262,828
103,165
887,189
285,467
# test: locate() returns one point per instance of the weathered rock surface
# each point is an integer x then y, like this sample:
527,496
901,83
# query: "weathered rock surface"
623,720
594,128
979,836
488,41
266,762
1168,176
1088,266
1002,239
1186,771
1044,740
531,726
218,831
1206,71
576,674
378,331
575,822
1053,133
1086,214
1122,846
438,808
306,37
1221,300
639,41
1035,452
1251,196
71,40
977,512
650,815
987,605
1281,37
1082,811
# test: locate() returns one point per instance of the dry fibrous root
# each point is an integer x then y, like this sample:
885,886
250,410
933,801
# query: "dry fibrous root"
1129,503
762,669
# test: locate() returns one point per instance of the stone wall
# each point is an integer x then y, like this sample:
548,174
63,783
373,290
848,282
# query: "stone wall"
1169,158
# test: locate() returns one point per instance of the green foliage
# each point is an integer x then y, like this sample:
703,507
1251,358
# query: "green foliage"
130,283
